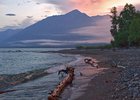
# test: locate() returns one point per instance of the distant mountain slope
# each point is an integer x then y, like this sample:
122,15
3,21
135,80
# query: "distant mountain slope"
55,31
8,33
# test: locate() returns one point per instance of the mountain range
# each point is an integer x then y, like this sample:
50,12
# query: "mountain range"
55,31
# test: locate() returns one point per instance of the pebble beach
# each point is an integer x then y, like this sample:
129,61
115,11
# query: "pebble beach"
117,78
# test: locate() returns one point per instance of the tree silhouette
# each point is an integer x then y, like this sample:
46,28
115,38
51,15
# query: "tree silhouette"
124,27
114,21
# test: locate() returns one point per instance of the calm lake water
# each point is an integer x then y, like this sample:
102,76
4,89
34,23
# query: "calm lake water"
16,61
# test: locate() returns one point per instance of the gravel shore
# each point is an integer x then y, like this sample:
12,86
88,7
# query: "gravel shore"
122,79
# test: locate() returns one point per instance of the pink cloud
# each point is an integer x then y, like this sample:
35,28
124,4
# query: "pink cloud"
91,7
97,7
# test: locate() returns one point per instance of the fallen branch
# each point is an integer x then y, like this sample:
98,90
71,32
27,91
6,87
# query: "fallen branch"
65,82
91,62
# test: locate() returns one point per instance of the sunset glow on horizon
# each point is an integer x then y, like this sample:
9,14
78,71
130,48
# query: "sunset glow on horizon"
99,7
27,12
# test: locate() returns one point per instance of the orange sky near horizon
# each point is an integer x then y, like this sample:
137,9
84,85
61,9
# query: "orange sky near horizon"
40,9
99,7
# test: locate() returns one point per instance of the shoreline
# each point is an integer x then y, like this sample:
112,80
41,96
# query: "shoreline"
106,83
110,84
84,73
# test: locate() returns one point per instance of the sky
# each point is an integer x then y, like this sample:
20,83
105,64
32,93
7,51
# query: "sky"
22,13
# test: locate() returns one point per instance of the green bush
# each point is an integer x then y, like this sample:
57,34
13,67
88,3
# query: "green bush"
134,32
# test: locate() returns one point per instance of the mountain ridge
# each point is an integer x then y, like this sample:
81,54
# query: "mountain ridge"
55,28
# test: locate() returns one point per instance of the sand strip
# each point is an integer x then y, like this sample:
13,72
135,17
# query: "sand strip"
84,73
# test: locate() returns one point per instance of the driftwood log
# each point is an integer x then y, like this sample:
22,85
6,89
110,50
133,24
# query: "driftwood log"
91,62
61,86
